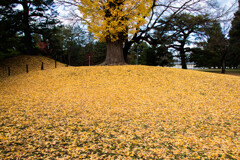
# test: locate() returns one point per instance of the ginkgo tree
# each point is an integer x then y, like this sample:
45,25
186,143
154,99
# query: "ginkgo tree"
113,20
121,23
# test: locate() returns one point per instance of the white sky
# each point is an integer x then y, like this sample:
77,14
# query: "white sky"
64,14
226,2
223,3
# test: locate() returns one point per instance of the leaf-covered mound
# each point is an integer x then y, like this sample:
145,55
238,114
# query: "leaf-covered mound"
18,64
128,112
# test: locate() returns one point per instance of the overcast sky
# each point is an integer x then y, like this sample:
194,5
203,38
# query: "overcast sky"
223,3
226,2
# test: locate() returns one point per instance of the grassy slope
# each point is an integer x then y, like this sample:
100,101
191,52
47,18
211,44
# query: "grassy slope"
235,72
120,111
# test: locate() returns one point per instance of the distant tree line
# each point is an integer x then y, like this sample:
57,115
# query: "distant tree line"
32,27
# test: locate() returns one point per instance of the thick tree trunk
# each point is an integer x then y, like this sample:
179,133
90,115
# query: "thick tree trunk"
114,53
183,59
69,58
223,66
27,28
223,62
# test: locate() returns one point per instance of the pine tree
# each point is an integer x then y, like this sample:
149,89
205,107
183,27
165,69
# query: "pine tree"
179,31
9,24
25,17
235,40
217,43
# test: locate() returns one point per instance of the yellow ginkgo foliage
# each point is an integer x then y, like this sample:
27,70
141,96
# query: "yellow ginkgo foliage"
114,21
111,20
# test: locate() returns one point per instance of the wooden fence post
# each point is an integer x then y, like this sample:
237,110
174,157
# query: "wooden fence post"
27,68
8,71
42,66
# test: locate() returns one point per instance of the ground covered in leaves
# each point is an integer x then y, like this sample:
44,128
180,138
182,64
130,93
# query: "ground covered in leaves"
121,112
18,64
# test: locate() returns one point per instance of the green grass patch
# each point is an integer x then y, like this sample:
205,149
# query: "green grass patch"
228,71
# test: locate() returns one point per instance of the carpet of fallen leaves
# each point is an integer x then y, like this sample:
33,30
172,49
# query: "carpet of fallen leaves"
119,112
18,64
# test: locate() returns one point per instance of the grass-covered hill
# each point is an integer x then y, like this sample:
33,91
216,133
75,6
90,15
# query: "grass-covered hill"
121,112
